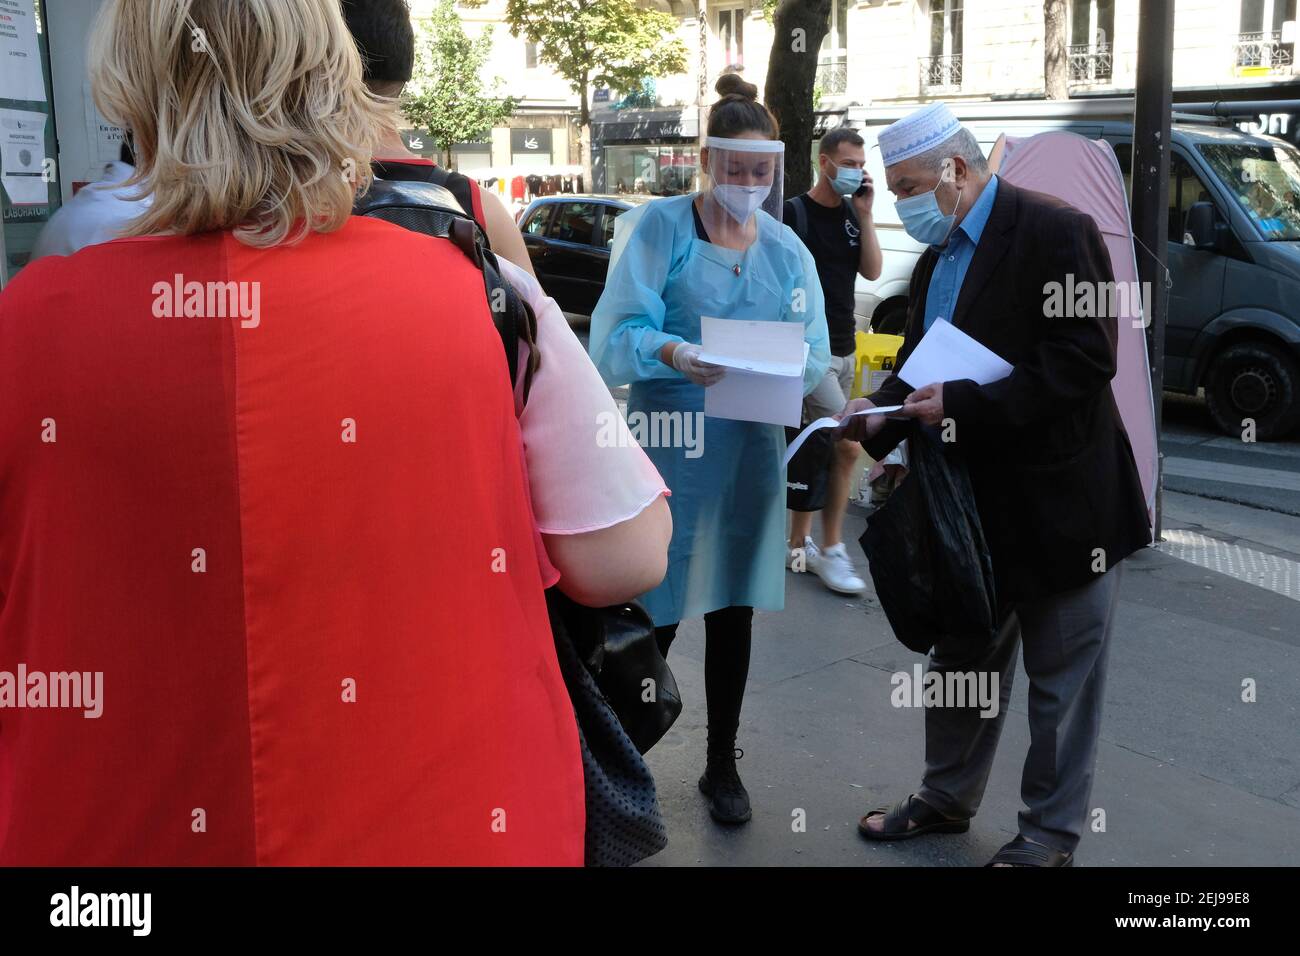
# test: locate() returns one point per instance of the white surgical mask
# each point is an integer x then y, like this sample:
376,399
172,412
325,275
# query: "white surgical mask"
741,201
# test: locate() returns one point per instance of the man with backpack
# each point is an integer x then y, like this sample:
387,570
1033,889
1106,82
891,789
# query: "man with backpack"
833,219
384,36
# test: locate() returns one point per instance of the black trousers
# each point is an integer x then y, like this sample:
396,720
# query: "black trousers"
727,639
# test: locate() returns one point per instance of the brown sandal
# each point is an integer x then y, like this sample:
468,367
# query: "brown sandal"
911,809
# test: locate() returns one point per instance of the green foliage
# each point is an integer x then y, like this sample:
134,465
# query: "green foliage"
610,43
447,97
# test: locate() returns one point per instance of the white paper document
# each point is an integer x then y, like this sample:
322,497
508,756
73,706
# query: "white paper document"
20,57
764,362
22,157
830,423
947,354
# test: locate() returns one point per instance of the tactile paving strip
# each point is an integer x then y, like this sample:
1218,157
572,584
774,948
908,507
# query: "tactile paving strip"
1277,574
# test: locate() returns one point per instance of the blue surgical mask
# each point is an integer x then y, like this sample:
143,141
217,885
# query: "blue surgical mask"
846,180
924,221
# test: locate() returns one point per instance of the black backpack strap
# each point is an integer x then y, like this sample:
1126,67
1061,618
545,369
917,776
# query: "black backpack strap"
800,218
462,187
432,209
513,318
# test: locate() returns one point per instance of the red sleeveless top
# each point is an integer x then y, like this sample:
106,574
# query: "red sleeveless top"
296,544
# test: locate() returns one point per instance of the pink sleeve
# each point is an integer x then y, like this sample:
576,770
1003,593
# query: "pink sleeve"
585,470
550,574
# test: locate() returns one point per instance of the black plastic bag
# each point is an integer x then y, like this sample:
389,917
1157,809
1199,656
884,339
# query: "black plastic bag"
927,553
808,473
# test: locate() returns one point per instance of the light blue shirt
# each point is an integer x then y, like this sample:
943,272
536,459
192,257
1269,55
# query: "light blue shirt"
954,258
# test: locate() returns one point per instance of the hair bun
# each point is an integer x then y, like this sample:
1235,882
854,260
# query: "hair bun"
732,84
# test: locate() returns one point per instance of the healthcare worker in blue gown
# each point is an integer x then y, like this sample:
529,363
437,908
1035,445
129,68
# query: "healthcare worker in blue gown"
721,253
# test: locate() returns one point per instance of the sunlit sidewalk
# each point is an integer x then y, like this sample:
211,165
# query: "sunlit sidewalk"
1188,773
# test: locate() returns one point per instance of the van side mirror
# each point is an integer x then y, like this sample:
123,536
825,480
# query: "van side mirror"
1200,227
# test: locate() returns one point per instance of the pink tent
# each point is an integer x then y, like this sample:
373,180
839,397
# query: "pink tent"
1085,174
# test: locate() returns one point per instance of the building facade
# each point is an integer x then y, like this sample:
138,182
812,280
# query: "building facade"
902,50
543,131
881,53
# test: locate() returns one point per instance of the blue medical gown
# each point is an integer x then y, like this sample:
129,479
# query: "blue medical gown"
728,502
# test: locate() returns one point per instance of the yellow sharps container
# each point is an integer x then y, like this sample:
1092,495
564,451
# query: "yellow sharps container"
876,355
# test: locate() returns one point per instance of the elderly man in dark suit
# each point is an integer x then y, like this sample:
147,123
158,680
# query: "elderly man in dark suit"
1055,483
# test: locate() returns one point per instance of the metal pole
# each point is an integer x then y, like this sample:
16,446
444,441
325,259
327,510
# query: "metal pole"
1153,102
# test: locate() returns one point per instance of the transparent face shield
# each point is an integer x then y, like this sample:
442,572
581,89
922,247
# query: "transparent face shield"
741,177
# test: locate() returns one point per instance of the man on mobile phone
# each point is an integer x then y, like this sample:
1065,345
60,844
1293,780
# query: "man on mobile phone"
833,219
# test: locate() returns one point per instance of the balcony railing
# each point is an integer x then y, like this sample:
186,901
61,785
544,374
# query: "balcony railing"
833,76
940,73
1263,50
1090,64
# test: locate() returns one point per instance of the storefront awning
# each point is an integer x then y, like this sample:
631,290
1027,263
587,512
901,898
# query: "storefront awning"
646,126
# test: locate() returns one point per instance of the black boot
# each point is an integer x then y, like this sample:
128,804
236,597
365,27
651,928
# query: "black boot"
728,798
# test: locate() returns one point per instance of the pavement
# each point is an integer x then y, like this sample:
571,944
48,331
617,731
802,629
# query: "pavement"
1187,773
1202,461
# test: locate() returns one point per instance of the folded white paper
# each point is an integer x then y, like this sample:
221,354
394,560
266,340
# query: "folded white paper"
764,362
830,423
947,354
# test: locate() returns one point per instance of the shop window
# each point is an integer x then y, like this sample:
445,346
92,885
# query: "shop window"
651,170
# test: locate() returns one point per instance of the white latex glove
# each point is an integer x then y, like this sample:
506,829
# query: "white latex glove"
686,359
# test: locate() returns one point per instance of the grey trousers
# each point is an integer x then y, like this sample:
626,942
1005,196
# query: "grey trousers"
1066,642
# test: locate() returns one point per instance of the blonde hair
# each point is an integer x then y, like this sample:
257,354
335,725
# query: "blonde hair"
248,115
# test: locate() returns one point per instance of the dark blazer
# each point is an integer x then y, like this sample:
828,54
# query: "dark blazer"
1049,459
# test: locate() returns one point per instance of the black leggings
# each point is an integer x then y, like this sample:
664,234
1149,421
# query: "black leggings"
727,633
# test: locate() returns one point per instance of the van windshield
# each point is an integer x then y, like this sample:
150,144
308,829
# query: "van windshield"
1265,180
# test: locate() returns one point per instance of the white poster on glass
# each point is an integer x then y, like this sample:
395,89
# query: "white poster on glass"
22,157
104,137
20,58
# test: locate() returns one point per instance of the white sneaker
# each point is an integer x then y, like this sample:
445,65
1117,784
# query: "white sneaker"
803,557
836,570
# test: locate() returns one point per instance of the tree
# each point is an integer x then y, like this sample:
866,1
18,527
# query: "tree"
447,97
1056,61
609,43
799,26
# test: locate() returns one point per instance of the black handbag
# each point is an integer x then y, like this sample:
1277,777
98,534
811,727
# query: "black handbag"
617,646
624,822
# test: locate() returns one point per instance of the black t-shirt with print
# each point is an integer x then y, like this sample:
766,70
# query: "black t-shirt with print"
834,239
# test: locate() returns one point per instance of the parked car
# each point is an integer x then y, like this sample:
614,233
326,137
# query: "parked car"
568,239
1233,255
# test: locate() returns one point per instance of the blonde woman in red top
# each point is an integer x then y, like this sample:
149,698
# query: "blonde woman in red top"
269,566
